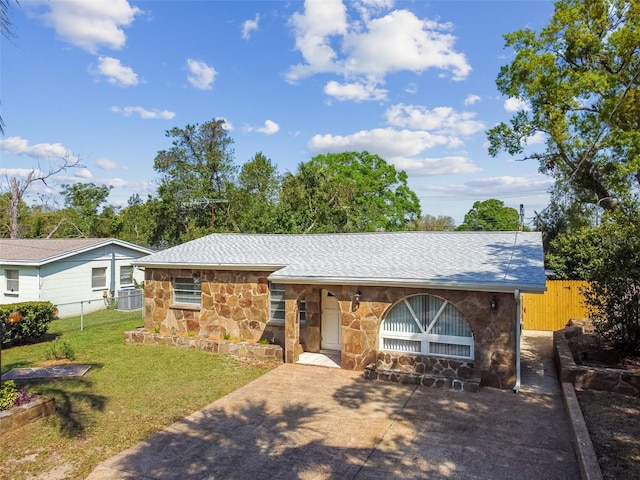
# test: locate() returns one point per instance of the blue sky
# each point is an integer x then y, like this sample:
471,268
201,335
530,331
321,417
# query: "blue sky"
412,81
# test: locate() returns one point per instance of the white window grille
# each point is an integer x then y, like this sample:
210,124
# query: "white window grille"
428,325
277,302
302,310
126,275
13,280
99,277
187,290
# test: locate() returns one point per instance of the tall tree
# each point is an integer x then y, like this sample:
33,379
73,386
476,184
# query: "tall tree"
349,192
195,173
578,79
85,201
18,188
253,201
137,220
491,215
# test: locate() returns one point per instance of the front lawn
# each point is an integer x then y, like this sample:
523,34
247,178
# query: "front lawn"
130,392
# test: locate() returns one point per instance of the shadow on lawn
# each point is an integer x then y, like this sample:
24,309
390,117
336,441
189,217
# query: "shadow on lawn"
74,402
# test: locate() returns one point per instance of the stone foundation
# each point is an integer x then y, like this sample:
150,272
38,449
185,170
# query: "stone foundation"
240,350
424,370
582,377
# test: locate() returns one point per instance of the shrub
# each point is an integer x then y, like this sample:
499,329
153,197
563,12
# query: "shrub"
60,351
33,324
11,397
8,395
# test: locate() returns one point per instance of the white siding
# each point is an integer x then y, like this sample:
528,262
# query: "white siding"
28,281
67,282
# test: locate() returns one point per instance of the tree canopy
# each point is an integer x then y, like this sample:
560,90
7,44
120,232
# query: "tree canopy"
194,175
490,215
348,192
578,78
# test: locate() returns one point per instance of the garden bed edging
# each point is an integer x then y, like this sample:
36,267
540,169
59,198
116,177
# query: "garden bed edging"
22,415
240,350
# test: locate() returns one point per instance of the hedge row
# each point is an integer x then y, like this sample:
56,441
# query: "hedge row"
34,321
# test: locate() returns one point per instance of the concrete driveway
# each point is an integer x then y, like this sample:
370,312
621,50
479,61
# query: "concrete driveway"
305,422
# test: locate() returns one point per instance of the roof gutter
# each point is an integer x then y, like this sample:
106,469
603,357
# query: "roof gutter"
518,298
495,287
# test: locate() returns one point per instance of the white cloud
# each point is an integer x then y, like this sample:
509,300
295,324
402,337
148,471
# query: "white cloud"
18,173
412,88
117,182
250,26
270,127
91,24
354,91
41,151
106,164
387,142
497,187
83,173
202,75
144,113
435,166
536,138
515,105
115,72
472,99
442,120
367,49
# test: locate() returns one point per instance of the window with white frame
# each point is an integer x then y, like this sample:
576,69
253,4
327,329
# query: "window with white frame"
13,280
302,310
99,277
126,275
186,290
276,291
427,325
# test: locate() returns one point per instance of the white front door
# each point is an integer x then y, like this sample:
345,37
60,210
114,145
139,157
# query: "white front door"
331,328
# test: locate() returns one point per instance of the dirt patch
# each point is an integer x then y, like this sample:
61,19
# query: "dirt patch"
612,421
591,350
611,418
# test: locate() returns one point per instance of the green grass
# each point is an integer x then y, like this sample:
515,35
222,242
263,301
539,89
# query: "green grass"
130,392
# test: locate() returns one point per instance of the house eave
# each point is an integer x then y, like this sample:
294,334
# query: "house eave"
496,287
210,266
70,253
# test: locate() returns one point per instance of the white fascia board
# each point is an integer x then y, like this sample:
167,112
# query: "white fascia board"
497,287
210,266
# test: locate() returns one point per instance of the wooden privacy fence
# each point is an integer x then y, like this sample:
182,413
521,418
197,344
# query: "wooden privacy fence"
554,308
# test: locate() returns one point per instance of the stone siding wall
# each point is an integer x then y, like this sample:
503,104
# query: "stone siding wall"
237,303
234,303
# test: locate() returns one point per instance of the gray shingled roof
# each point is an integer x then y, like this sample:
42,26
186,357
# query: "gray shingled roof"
38,251
495,261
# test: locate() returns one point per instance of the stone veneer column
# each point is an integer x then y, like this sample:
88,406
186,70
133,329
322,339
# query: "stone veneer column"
292,347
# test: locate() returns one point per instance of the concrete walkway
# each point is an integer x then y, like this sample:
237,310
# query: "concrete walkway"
307,422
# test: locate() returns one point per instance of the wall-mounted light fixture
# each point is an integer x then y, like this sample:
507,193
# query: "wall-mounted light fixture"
494,303
355,301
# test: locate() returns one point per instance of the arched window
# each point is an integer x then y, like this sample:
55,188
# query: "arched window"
427,325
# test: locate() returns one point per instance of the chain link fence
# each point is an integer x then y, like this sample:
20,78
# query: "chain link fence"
106,309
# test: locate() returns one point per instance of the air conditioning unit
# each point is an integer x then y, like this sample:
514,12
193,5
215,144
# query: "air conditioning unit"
130,299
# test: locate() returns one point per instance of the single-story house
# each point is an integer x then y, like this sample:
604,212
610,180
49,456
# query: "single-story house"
403,298
68,271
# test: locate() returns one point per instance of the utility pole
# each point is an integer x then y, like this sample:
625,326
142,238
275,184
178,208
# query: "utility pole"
205,202
521,217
